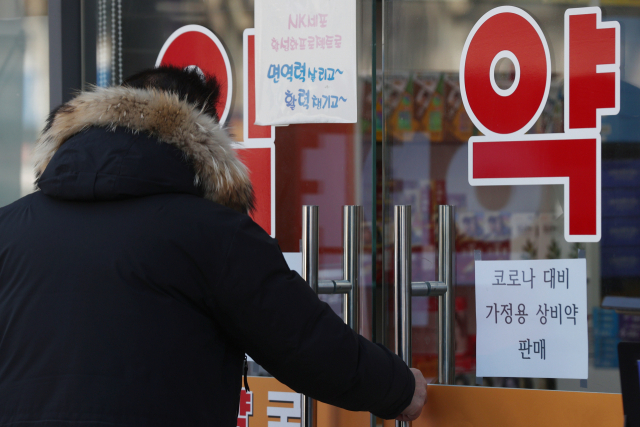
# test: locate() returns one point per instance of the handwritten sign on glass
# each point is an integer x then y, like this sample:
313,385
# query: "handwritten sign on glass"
531,319
305,61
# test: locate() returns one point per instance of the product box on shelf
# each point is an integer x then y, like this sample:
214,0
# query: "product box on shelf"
605,338
620,202
428,104
457,124
399,105
629,327
620,231
620,261
621,173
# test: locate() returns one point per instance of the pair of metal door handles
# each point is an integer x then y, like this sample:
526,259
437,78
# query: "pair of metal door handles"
404,288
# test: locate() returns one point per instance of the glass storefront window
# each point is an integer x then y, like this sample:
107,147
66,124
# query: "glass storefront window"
409,147
424,133
24,92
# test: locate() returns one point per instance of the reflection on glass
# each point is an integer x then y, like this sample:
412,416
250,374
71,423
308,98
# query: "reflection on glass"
315,164
24,92
424,136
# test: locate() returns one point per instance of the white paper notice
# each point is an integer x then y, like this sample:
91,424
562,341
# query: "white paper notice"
532,319
294,261
306,70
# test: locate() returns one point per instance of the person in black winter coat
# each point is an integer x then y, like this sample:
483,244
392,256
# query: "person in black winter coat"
133,282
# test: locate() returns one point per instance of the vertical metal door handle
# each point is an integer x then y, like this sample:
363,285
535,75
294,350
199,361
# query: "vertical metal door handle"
352,235
402,280
310,246
402,276
352,223
310,274
446,308
443,288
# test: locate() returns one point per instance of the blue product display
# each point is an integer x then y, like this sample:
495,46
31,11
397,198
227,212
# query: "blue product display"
622,231
605,323
621,173
623,127
605,338
620,202
605,352
620,261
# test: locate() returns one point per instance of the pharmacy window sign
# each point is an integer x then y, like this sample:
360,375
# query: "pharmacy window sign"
531,319
506,155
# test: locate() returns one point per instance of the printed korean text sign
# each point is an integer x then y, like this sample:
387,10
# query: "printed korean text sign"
532,319
305,61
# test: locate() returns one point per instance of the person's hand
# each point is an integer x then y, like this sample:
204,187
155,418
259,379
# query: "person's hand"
419,398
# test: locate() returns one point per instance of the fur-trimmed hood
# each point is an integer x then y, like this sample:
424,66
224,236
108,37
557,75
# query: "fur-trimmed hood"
221,175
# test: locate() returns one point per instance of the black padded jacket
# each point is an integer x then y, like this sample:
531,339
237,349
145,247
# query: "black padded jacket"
131,287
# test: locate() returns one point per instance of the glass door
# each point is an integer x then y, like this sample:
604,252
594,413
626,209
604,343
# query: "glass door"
423,135
409,147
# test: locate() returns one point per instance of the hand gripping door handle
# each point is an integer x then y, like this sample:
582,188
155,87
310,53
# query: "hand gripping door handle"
443,288
348,286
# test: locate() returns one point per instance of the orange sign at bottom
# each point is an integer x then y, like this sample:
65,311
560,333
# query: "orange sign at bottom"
271,400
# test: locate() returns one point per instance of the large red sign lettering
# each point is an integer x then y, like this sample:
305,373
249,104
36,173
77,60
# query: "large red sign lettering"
592,65
506,111
505,155
245,410
258,151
